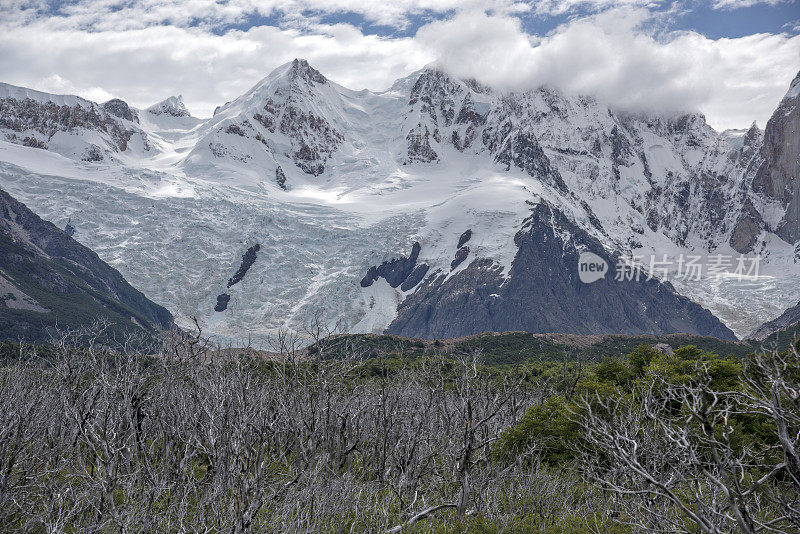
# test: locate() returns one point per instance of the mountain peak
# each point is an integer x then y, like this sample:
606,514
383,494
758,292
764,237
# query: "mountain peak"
433,81
297,70
300,69
173,106
120,108
752,135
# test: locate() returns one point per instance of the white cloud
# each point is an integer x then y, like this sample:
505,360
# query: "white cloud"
559,7
610,55
733,81
144,66
112,15
57,85
736,4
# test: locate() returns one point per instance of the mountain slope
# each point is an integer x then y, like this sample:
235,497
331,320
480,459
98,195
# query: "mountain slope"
48,280
337,186
542,293
786,324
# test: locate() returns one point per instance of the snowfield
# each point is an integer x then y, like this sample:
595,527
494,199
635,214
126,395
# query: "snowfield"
175,219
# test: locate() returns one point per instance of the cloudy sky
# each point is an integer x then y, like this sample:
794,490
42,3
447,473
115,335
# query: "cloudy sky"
730,59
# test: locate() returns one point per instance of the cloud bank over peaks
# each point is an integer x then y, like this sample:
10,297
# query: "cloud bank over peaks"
211,52
623,59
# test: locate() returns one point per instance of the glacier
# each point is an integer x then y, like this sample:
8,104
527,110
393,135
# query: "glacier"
367,174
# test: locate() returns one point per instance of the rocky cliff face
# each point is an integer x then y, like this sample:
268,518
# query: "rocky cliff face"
49,280
71,126
446,113
441,110
542,293
778,178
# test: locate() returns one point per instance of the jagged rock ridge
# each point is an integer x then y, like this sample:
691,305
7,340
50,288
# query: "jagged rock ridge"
69,125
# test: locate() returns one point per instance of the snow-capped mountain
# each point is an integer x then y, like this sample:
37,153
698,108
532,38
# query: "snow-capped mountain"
342,189
172,106
294,115
70,125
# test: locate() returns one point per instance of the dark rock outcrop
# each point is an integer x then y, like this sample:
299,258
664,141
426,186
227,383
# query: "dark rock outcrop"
120,108
461,255
93,154
748,227
543,293
419,146
398,271
415,277
57,282
235,129
222,302
280,178
466,236
248,258
522,150
69,229
302,70
370,277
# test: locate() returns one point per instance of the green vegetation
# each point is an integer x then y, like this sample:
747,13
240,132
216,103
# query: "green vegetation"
782,339
77,306
553,424
194,439
512,348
